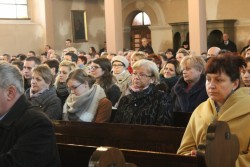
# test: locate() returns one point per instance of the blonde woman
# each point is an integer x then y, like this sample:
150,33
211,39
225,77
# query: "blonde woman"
41,93
65,68
189,91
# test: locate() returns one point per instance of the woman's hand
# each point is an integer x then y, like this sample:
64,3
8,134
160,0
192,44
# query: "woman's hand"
194,153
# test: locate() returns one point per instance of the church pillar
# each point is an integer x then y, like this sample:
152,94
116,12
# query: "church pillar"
113,21
197,26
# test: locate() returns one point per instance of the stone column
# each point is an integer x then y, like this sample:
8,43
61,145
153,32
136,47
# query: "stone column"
197,26
113,22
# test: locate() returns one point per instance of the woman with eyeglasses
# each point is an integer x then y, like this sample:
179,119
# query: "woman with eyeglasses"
119,69
143,102
100,69
87,101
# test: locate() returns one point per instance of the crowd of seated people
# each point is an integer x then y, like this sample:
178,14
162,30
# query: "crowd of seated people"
139,92
143,88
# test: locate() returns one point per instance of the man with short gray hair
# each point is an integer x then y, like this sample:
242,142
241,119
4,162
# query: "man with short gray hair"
213,51
27,136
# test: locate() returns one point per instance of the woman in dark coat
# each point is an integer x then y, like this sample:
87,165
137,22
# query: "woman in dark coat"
190,91
42,95
143,102
171,72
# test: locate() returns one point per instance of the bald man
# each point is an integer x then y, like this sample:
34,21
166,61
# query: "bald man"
227,44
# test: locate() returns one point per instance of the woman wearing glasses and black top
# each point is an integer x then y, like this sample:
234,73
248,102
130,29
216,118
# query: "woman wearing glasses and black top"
143,102
100,69
87,101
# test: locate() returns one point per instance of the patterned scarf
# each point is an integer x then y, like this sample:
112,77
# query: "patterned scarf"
61,89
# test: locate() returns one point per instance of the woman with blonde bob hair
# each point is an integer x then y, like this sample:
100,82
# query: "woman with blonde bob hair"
42,94
189,91
143,102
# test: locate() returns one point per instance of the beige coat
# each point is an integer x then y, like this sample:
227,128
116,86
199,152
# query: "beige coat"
235,111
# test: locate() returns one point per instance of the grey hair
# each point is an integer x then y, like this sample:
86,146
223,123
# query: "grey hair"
12,76
150,66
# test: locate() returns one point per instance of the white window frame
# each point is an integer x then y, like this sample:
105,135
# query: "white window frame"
15,16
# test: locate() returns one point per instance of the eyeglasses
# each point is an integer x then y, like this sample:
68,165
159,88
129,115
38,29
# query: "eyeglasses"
141,75
247,55
93,67
117,65
74,87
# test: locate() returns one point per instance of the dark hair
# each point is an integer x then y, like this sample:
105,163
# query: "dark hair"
82,52
163,56
107,79
104,63
93,49
83,58
43,54
18,63
185,43
176,65
93,52
53,63
227,63
33,52
69,40
74,57
170,50
81,76
156,59
35,59
21,57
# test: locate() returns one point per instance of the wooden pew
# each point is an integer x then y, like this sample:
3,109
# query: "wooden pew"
79,156
122,136
107,157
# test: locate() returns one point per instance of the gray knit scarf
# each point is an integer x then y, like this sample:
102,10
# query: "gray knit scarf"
83,107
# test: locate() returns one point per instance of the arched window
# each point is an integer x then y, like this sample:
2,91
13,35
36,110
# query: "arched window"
141,19
13,9
140,29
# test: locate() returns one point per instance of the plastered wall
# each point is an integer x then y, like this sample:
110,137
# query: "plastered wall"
51,23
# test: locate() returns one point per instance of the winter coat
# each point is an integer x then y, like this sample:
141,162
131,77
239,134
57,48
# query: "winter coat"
27,137
147,107
235,111
49,102
187,101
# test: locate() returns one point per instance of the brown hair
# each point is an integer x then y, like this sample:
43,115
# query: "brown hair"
228,63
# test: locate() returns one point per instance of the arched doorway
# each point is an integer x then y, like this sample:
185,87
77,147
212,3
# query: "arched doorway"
214,38
140,29
177,41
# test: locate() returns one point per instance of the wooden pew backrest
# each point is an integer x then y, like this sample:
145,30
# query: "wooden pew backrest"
79,156
139,137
